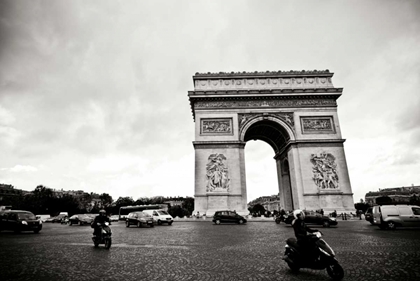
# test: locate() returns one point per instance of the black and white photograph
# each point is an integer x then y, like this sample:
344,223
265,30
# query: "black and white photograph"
209,140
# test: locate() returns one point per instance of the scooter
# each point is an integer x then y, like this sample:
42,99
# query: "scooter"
295,259
104,237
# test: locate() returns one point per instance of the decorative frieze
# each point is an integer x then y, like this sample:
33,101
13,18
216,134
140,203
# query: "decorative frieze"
324,171
317,125
217,174
216,126
282,103
262,83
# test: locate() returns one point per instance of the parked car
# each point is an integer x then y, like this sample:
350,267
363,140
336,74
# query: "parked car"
314,218
18,220
228,217
55,219
393,216
139,219
160,216
114,218
368,215
80,219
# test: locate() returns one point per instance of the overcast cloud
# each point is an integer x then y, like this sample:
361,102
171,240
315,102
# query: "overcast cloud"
93,94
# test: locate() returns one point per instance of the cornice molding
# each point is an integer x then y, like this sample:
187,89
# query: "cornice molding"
218,144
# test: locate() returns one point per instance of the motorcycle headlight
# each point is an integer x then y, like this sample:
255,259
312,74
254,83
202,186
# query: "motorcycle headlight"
24,222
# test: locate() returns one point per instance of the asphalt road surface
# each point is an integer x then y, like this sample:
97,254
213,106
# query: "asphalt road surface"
203,251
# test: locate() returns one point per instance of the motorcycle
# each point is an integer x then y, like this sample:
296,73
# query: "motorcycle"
280,218
325,259
104,237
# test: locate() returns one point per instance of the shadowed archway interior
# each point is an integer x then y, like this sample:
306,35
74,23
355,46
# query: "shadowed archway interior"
270,132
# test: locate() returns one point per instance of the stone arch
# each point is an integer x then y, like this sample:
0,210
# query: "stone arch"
275,123
295,112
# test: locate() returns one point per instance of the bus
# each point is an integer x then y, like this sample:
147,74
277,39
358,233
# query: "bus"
124,211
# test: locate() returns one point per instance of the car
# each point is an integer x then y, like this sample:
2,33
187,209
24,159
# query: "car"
313,218
55,219
160,216
368,215
114,218
227,216
18,220
80,219
393,216
139,219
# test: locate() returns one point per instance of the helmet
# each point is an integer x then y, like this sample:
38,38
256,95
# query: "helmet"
298,213
102,212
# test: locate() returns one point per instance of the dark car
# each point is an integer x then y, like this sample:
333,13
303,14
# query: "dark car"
139,219
369,215
17,221
80,219
228,217
313,218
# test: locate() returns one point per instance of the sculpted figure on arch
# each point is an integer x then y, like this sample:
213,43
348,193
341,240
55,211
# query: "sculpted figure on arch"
217,173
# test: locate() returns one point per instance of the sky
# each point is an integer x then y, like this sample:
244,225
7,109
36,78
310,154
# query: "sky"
93,94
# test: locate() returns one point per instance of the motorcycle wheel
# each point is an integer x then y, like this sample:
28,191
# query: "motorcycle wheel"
294,268
108,243
335,271
96,243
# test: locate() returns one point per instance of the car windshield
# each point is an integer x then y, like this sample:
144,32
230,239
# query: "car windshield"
26,216
162,213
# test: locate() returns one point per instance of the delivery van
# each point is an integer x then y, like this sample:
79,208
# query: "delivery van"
160,216
393,216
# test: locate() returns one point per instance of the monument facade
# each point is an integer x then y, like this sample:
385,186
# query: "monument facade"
295,112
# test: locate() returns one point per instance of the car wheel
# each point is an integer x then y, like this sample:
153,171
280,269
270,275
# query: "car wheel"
152,225
127,224
217,221
169,223
138,224
159,222
80,223
241,221
37,231
391,225
326,224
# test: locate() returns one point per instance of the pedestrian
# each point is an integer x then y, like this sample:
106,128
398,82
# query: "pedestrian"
322,212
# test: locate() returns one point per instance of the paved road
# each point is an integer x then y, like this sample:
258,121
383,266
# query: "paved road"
203,251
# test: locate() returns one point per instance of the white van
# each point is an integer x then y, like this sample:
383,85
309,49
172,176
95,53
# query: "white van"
160,216
391,216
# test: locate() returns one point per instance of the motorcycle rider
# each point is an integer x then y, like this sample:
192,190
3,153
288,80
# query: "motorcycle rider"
98,222
304,235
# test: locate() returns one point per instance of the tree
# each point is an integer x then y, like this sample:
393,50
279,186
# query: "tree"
178,211
106,200
124,201
188,205
258,209
384,200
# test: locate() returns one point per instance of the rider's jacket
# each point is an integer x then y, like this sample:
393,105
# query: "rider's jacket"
100,219
301,231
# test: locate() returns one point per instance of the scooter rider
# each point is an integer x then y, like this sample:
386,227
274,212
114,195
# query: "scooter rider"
304,235
99,221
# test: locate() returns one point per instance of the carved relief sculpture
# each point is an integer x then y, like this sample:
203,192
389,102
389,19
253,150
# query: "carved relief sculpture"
216,126
324,171
317,124
217,174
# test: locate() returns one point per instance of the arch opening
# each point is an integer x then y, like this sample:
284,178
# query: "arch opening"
277,172
270,132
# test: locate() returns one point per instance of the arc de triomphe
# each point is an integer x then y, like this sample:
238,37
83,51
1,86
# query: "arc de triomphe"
295,112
